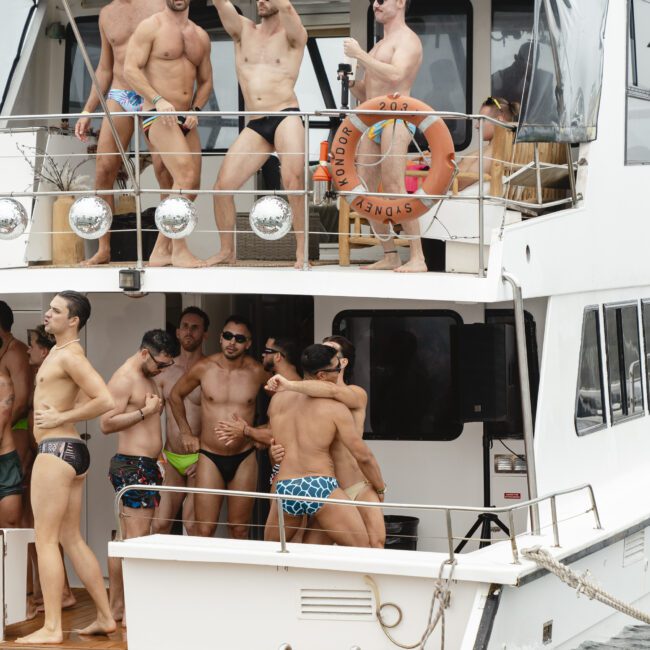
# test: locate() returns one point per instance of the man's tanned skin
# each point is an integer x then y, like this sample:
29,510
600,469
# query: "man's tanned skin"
117,22
10,505
191,334
267,57
169,57
390,67
136,420
229,382
57,490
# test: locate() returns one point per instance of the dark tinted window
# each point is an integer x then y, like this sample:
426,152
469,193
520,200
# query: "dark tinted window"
646,342
623,361
638,83
403,360
590,397
445,78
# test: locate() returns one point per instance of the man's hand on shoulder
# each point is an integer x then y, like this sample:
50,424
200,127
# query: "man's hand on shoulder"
278,384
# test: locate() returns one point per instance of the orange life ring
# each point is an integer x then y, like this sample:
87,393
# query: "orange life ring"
343,155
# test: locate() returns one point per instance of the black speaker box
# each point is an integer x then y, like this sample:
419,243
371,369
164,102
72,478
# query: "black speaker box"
487,364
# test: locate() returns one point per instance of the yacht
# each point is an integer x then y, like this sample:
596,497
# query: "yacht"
509,386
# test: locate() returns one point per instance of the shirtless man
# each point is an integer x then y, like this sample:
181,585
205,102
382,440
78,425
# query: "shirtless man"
168,63
11,476
136,420
349,476
180,469
117,22
14,361
267,58
229,381
307,427
61,465
390,67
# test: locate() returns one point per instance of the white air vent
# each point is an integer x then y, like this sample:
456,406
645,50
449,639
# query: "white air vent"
337,604
634,548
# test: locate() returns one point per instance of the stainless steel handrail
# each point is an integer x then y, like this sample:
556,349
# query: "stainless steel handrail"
448,510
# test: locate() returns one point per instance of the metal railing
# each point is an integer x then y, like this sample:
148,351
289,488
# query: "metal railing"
447,510
137,191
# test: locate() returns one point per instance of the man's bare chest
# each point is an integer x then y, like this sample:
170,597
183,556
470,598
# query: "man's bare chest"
236,388
140,389
256,49
172,44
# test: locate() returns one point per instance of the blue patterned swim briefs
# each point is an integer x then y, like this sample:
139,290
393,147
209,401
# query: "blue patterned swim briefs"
319,487
129,100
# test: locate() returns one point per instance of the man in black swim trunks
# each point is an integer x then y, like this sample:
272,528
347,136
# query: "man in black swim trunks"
267,58
136,420
229,384
61,465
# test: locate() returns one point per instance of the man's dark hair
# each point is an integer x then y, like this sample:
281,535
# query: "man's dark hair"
197,312
347,350
289,349
6,316
43,338
316,357
78,305
236,319
160,341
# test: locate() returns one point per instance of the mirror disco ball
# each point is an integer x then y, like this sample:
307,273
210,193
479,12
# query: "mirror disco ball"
271,217
90,217
13,218
176,217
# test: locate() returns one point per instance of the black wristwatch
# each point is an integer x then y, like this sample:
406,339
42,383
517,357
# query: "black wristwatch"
196,108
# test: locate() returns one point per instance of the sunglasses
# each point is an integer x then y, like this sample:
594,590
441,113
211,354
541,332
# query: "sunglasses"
379,2
160,364
336,369
229,336
491,101
272,351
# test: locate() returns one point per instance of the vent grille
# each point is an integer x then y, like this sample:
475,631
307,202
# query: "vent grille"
634,548
337,604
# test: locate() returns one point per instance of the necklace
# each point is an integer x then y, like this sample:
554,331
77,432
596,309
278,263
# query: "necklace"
60,347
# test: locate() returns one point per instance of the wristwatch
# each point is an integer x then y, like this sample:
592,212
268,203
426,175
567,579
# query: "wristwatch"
382,490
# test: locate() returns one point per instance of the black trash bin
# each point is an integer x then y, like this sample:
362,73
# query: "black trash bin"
401,532
124,244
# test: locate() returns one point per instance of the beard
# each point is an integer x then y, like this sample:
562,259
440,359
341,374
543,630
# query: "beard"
171,4
267,12
190,346
269,366
233,355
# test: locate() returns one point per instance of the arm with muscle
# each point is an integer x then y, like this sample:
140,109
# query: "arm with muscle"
117,419
138,52
353,397
182,388
22,378
290,21
230,19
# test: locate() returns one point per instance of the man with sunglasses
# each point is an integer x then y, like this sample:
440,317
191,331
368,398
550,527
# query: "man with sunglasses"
229,383
350,478
390,67
136,420
308,428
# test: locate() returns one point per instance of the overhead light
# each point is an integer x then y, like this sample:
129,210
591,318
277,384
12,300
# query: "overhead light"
131,280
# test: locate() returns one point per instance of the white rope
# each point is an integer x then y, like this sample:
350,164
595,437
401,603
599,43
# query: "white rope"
581,583
441,596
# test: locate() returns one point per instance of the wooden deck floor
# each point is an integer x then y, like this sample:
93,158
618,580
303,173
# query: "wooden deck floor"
79,616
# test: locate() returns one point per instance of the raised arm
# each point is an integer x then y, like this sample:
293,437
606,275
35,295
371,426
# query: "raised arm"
182,388
117,419
290,21
232,22
353,397
89,382
347,432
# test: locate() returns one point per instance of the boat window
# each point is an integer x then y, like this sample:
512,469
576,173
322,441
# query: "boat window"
590,396
512,31
623,361
638,83
16,18
646,343
404,362
445,78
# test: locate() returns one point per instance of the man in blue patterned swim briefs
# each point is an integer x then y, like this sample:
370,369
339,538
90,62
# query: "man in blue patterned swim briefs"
307,427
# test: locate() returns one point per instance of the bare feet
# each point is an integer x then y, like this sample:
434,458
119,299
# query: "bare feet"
389,262
41,637
100,257
160,258
117,612
100,626
223,257
300,263
413,266
185,260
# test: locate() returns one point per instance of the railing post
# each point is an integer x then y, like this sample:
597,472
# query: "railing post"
283,532
513,539
538,174
136,189
450,536
481,203
556,530
305,264
594,507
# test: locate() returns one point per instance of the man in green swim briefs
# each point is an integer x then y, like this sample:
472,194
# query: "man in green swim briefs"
180,469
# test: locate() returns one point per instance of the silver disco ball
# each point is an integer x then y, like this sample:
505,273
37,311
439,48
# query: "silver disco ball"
90,217
271,217
176,217
13,218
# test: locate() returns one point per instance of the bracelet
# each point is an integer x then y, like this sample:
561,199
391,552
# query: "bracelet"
85,112
156,99
197,109
141,413
382,490
246,432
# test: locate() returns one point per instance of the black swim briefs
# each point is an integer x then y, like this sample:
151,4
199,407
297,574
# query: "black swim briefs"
267,126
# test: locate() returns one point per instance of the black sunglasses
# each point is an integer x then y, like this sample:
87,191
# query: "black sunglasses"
272,351
160,364
336,369
379,2
229,336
